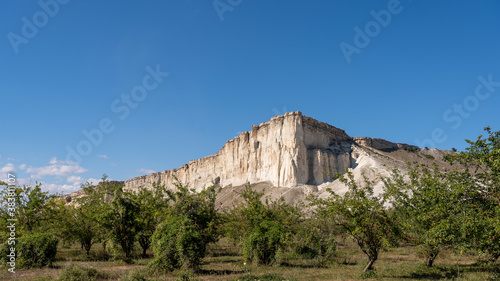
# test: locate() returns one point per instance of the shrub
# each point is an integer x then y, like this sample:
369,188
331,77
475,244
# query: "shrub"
428,156
264,242
177,244
81,273
411,149
33,250
180,242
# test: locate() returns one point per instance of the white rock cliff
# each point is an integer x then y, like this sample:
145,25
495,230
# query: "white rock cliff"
287,151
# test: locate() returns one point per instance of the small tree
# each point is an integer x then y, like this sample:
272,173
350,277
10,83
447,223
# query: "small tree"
120,220
363,216
79,224
428,206
33,207
480,179
192,223
316,236
153,208
82,220
261,228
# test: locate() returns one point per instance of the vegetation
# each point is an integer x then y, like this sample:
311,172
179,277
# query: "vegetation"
427,207
181,241
262,229
362,215
452,218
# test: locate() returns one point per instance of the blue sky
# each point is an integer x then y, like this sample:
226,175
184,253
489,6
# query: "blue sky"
138,86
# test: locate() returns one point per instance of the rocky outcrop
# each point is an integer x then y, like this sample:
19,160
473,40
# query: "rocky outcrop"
382,144
287,151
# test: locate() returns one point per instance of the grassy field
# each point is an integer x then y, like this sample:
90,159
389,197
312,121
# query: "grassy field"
224,263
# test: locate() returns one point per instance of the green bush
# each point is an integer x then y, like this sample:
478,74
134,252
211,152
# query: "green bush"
428,156
177,244
181,241
264,242
81,273
32,250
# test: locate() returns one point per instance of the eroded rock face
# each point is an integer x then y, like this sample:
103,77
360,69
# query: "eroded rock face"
382,144
287,151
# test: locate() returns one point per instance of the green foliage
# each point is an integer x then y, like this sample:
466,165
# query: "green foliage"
79,224
81,273
32,250
411,149
429,207
177,243
82,221
370,274
261,228
119,219
263,243
34,210
180,242
363,216
428,156
153,207
480,181
316,238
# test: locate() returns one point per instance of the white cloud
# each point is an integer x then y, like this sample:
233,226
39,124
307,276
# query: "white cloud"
58,177
104,156
8,168
144,171
53,188
54,161
74,179
61,170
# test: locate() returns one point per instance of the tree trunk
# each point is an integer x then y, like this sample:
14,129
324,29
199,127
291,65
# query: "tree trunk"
144,243
432,257
369,266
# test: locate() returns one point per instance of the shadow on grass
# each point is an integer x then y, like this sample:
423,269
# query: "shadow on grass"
223,254
287,264
219,272
450,272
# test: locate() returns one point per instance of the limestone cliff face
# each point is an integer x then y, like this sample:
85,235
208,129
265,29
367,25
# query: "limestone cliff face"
287,151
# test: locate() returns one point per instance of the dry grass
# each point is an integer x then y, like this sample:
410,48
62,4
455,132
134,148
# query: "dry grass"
223,263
